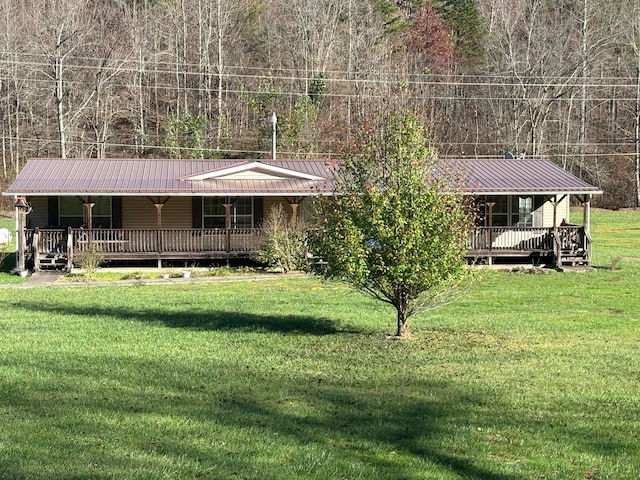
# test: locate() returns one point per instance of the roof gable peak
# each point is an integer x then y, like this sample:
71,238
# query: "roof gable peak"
253,170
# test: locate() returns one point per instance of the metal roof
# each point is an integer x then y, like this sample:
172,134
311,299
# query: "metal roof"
54,176
513,177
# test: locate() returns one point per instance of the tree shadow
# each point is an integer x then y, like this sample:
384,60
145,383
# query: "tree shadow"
199,320
366,427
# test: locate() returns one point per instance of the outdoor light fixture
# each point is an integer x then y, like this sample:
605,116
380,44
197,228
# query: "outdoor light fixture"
21,204
274,120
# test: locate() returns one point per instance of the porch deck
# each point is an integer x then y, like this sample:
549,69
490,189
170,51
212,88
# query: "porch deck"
58,248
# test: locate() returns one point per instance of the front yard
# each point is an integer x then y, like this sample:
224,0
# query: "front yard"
529,377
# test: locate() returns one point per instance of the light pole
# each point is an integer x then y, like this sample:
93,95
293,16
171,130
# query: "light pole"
274,120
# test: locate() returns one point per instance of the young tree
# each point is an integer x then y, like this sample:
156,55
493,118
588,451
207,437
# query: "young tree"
395,229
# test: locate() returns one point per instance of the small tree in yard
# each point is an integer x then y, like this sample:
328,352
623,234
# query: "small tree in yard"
394,229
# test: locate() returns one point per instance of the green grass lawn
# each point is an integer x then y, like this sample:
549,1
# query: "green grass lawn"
528,377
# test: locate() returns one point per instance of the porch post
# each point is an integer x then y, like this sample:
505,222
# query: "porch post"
159,212
490,246
36,249
294,214
555,204
557,242
158,233
21,240
586,214
70,251
22,209
88,205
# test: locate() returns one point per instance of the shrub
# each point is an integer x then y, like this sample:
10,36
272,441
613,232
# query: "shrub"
283,247
90,259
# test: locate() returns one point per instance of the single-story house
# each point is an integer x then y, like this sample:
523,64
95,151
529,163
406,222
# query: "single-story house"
164,210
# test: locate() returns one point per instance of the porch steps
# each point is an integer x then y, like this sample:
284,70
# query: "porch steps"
574,259
575,269
52,261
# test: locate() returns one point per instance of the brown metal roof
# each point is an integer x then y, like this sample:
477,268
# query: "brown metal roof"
513,176
53,176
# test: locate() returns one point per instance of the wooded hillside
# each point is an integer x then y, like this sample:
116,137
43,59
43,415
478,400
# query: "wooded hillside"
200,78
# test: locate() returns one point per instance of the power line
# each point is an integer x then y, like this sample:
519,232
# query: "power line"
340,76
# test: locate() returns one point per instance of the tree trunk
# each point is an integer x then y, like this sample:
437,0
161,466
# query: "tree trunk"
401,310
59,96
636,119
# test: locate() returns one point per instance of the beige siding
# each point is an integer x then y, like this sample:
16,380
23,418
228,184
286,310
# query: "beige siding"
140,212
269,202
562,212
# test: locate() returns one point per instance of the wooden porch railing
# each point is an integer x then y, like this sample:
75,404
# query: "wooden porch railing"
510,238
220,243
156,243
168,240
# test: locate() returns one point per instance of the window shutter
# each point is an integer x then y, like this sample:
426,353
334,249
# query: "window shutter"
196,212
258,211
52,206
116,212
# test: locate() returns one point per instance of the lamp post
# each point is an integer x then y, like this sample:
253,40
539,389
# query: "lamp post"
22,209
274,120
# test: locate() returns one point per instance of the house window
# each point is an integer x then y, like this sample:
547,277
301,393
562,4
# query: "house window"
500,211
215,213
73,214
510,211
524,217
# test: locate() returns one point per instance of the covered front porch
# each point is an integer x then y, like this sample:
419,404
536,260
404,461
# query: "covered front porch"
560,246
59,248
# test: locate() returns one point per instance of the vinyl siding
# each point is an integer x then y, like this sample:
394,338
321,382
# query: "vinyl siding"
140,212
39,216
561,213
270,202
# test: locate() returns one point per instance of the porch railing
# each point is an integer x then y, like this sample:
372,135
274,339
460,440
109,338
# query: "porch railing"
128,243
510,238
168,243
113,241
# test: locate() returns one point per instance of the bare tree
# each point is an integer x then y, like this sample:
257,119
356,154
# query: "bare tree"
62,31
630,37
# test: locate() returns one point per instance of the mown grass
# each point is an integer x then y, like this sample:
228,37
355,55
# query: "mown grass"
528,377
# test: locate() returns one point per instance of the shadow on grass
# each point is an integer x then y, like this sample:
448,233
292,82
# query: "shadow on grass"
199,320
8,261
267,425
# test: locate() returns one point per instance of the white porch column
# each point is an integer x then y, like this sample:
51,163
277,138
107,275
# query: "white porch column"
586,215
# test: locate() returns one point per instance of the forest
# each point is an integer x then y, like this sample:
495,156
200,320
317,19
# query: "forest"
201,78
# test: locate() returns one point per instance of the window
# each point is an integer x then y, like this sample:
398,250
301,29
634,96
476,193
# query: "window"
510,211
101,212
524,217
215,214
500,211
73,213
